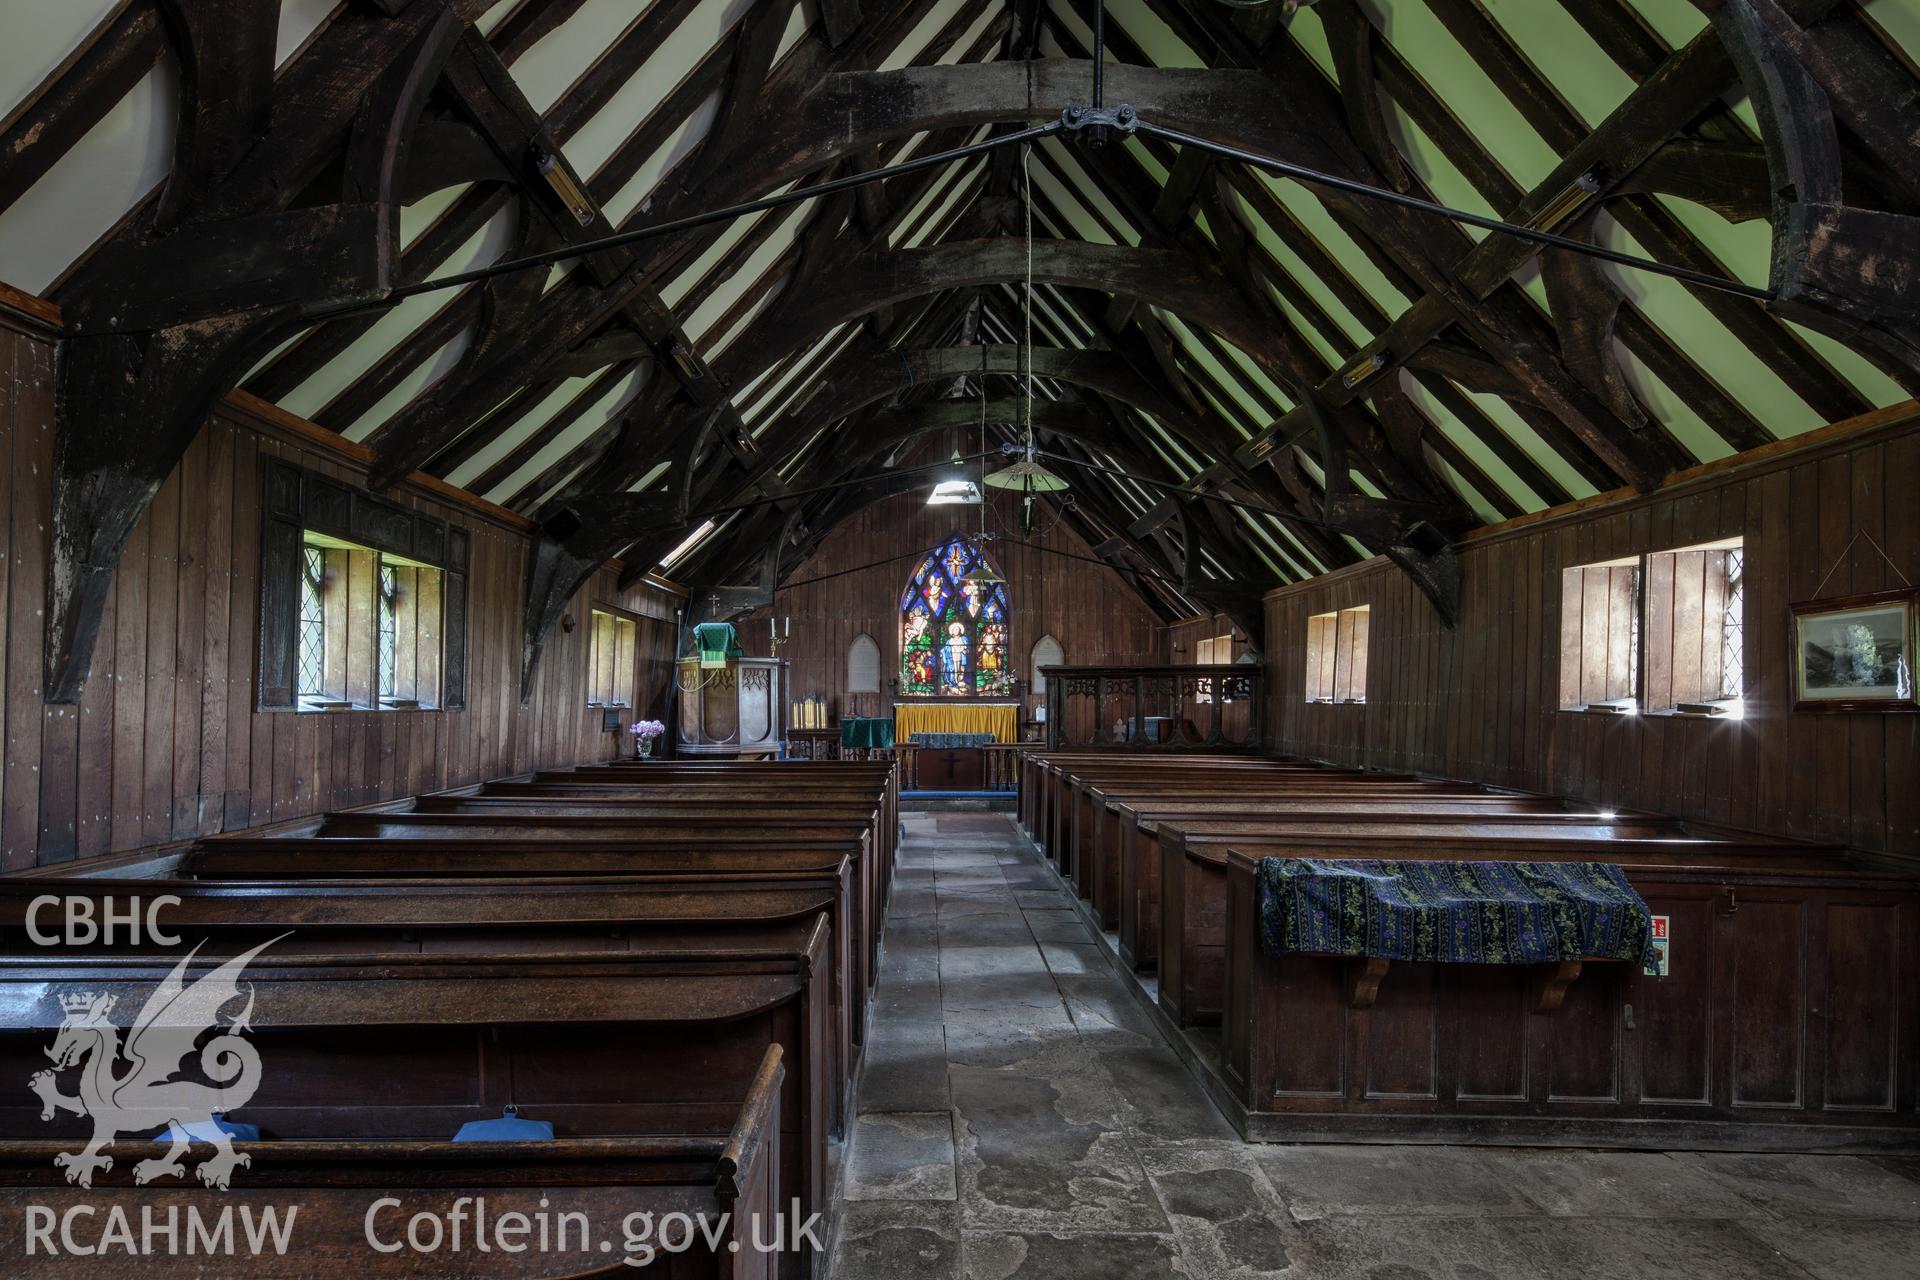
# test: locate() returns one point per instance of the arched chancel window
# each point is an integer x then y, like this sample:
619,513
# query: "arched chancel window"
953,633
1046,653
863,665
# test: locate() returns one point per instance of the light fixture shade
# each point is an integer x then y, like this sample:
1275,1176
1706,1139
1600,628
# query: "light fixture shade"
954,493
982,575
1027,476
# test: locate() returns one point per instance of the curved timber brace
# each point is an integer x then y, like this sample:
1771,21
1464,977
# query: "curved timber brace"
1850,273
167,318
1415,536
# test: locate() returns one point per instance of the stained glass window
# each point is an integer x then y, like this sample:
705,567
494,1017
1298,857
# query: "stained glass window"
313,623
954,633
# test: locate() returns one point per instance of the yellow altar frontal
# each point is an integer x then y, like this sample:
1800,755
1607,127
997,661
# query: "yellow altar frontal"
1001,719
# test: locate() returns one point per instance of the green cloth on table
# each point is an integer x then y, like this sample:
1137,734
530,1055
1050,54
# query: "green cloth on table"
867,732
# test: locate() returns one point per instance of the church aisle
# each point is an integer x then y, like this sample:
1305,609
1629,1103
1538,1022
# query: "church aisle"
1020,1117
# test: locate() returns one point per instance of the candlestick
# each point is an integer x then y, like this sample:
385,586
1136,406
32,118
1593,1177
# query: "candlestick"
789,632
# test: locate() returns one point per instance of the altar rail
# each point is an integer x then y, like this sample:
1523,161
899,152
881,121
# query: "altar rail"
1156,709
1001,759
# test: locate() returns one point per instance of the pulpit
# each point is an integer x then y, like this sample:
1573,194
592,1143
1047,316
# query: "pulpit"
734,709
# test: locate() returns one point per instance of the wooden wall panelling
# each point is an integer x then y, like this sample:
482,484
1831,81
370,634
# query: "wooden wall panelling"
1481,701
1183,639
29,517
165,742
1902,757
17,806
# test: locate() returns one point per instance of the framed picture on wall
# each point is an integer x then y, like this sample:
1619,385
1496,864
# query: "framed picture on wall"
1856,653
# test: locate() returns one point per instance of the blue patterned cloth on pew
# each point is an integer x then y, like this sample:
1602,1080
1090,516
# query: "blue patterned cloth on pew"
1452,912
951,741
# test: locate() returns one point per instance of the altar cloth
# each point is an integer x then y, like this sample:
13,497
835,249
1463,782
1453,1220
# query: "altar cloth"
1001,719
951,741
1452,912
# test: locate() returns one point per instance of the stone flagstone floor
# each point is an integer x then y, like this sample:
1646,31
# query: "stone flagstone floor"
1020,1117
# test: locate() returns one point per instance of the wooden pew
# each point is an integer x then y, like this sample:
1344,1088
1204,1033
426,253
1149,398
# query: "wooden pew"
1048,776
729,1177
767,789
1193,887
864,782
1055,778
1077,808
506,853
729,779
560,822
1126,843
550,916
1038,767
1098,834
374,1048
1780,1024
683,872
764,805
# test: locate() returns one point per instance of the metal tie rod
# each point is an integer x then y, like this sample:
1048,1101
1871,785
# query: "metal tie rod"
1073,119
1314,177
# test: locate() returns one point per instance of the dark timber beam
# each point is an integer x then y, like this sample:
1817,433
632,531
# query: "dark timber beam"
164,322
891,373
841,19
1851,273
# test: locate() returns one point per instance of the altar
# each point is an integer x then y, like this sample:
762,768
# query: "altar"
1001,719
951,740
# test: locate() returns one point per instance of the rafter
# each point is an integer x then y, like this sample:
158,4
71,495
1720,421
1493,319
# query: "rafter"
152,349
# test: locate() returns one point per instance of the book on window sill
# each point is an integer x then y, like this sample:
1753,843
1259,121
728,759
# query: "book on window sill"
400,704
1610,708
1701,708
326,704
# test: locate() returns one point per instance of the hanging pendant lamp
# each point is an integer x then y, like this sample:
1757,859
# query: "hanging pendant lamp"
1027,475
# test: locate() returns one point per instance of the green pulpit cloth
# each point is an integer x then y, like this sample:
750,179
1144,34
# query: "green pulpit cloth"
716,644
1451,912
866,732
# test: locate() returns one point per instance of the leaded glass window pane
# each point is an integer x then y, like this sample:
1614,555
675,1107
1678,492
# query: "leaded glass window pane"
1733,628
389,590
313,623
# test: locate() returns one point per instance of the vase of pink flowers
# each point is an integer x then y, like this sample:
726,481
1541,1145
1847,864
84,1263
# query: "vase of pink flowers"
644,732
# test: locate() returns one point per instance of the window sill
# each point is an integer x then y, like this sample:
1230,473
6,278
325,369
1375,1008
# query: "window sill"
1336,702
1609,709
331,708
1701,711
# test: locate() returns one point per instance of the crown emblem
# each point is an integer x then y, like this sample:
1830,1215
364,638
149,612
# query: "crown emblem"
81,1001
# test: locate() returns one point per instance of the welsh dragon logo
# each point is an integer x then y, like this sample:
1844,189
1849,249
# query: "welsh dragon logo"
145,1095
